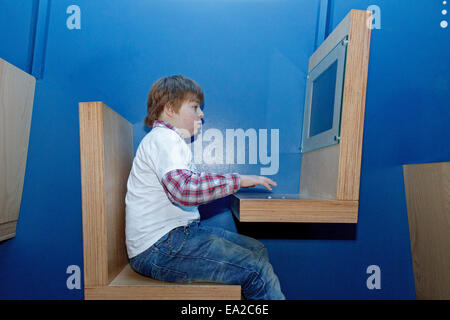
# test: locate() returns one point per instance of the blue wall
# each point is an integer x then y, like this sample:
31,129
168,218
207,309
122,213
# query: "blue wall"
17,25
251,59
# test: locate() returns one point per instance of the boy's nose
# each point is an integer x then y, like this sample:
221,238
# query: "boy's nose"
201,115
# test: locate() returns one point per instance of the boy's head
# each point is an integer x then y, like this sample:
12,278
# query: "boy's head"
175,99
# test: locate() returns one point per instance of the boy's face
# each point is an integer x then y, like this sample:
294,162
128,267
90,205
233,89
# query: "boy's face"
189,118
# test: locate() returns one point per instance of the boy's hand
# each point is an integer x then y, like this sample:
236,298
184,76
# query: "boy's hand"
251,181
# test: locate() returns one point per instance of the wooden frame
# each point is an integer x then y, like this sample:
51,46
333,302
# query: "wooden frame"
106,156
16,107
329,177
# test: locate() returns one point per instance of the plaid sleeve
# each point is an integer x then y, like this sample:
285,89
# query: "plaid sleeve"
190,188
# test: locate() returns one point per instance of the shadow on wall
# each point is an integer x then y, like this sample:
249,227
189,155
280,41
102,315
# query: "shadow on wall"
281,231
297,231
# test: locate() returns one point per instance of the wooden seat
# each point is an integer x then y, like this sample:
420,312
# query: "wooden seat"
106,151
130,285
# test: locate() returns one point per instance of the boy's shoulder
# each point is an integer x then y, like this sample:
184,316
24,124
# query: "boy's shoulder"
161,136
162,144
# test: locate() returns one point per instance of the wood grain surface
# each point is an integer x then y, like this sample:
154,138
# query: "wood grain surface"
16,107
106,145
427,188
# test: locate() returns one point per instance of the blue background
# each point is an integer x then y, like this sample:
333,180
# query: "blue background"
251,59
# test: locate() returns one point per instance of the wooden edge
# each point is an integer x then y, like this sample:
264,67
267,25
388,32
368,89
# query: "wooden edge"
173,292
353,106
8,230
92,192
319,211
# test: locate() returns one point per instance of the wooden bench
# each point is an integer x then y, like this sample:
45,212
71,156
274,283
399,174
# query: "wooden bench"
106,151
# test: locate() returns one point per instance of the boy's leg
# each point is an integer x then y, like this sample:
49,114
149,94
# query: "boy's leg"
196,255
246,242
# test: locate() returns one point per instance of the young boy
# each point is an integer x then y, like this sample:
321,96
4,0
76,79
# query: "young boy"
165,239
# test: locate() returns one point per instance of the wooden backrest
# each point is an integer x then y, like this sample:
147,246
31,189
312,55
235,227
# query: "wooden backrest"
334,172
106,151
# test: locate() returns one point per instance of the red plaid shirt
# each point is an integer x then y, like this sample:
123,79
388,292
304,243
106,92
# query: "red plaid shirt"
190,188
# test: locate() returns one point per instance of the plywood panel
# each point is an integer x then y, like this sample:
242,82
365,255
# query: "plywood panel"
173,292
119,152
353,106
92,161
427,188
319,173
249,209
16,105
106,150
7,230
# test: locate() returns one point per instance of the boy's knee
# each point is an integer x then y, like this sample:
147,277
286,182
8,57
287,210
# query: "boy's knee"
261,282
260,249
261,252
264,252
253,285
263,268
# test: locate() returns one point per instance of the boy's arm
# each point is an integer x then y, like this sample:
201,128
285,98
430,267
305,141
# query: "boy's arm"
190,188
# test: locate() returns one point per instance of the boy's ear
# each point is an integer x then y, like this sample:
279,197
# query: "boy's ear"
169,109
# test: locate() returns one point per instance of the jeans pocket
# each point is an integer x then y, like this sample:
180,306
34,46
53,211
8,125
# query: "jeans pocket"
176,240
161,240
167,275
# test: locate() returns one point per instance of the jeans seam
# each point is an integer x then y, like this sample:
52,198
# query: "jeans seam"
181,246
184,274
207,259
259,275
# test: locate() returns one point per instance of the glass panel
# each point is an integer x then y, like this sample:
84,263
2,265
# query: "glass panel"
322,104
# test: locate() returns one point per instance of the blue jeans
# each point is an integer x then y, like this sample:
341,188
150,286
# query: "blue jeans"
197,253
